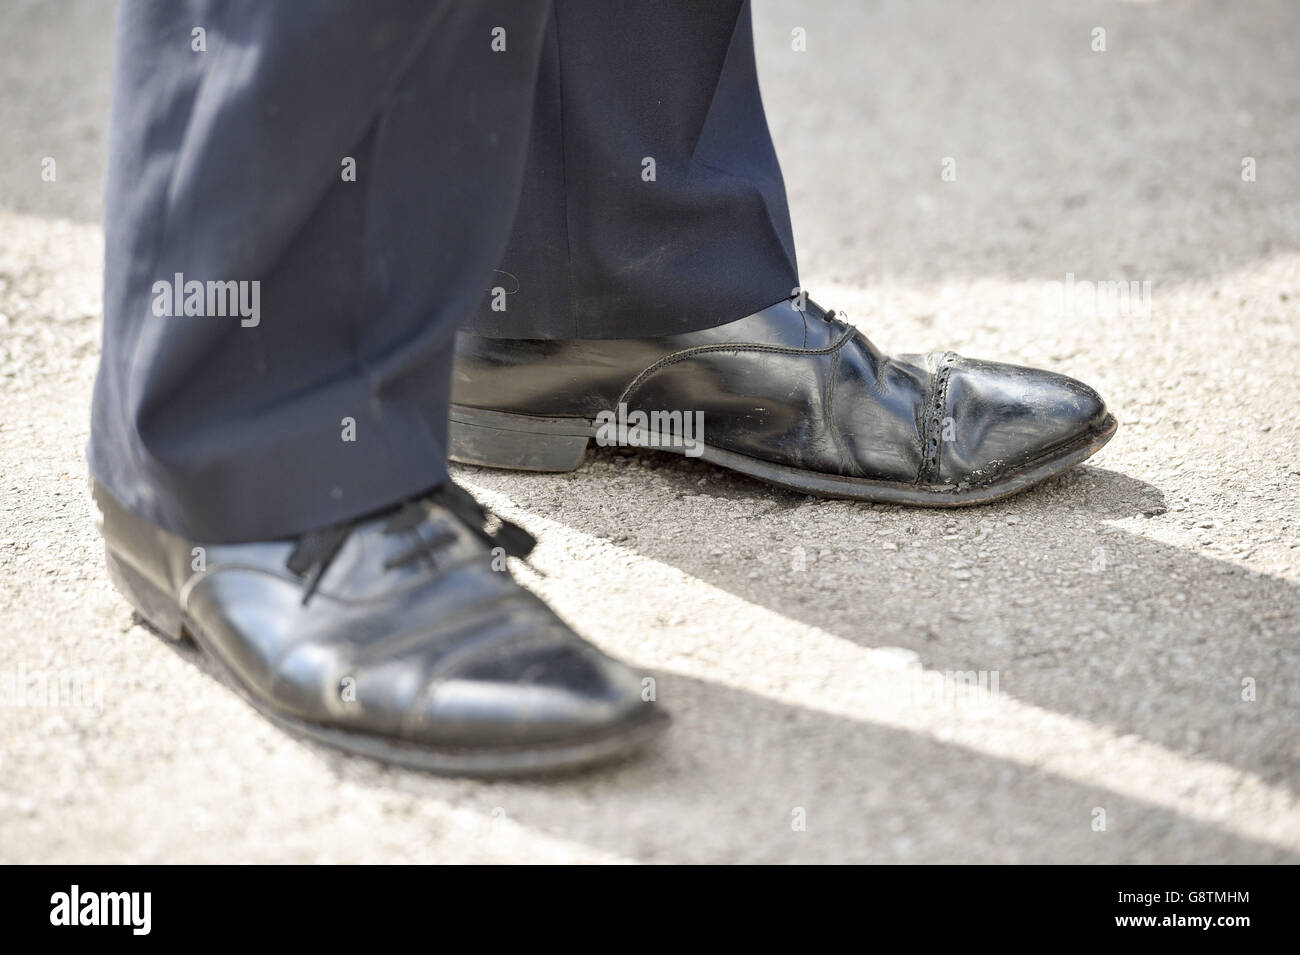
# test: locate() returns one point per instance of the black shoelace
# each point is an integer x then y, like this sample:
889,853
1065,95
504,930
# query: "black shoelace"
314,551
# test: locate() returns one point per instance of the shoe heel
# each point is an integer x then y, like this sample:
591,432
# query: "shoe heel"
149,601
496,439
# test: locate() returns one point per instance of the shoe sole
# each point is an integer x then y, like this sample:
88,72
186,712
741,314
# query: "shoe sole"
517,442
165,615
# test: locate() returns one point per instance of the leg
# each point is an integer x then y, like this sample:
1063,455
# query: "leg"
229,165
343,587
605,244
652,286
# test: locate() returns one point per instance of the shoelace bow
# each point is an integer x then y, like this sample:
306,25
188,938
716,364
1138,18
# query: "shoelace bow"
314,551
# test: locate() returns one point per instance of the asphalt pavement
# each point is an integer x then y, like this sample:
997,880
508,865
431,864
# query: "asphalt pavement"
961,176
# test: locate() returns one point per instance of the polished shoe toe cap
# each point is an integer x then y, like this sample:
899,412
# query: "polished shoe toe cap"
1001,417
552,689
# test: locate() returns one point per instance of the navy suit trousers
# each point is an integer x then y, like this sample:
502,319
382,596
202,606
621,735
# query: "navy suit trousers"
307,200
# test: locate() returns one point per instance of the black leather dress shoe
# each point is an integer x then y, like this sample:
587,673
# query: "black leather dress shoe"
392,636
789,395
